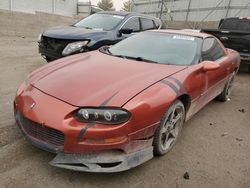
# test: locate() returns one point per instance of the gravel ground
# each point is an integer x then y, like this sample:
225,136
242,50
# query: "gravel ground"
214,147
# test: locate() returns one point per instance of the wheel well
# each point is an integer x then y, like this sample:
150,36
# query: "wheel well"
186,100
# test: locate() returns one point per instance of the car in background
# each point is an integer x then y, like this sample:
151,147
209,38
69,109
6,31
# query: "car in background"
234,33
93,32
114,109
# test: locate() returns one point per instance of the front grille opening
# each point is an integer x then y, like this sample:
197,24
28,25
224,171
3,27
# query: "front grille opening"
109,165
40,132
73,164
56,45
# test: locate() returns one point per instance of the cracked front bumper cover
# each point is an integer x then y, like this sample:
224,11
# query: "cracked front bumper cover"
106,162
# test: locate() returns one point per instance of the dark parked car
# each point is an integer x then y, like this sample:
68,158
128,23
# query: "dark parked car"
93,32
234,33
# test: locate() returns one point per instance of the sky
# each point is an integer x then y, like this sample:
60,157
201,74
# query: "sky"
118,4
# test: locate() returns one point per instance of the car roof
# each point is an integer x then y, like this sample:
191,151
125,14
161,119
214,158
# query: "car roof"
184,32
120,13
124,13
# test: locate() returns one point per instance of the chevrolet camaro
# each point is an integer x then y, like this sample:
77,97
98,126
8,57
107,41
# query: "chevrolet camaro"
113,109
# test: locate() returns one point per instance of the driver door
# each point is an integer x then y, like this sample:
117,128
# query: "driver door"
215,80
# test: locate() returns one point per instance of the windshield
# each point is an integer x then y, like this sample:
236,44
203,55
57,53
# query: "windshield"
163,48
100,21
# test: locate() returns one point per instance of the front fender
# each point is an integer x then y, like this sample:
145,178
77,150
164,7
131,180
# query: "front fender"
148,107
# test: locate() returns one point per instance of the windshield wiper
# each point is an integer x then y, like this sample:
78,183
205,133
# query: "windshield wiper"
88,28
145,60
135,58
122,56
105,49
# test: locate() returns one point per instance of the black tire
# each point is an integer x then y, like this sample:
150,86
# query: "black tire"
164,141
225,95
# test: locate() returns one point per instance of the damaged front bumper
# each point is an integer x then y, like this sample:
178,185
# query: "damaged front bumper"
105,162
58,135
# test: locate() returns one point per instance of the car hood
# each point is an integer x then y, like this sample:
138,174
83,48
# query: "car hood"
92,78
73,33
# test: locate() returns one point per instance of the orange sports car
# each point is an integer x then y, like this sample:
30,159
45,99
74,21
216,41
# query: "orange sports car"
113,109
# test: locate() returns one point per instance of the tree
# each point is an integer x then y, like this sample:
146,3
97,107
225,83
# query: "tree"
105,4
127,5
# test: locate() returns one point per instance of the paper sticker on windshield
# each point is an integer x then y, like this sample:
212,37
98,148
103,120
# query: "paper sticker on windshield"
98,29
182,37
117,16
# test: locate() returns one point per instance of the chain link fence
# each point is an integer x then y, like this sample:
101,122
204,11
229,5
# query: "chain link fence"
193,10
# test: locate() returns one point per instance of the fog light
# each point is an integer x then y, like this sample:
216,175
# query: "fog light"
116,139
106,141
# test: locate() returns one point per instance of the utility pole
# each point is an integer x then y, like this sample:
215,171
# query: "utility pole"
162,3
188,10
53,6
10,5
131,4
228,8
90,7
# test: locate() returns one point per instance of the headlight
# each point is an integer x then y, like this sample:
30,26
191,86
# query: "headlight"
102,115
39,37
74,47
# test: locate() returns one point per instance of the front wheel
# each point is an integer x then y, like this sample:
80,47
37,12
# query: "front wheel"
170,127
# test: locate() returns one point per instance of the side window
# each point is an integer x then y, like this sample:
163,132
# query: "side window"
147,24
211,50
244,25
132,23
229,24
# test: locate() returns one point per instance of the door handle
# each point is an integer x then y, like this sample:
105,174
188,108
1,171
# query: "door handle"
223,38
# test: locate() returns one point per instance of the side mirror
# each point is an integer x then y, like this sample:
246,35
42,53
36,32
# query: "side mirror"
210,66
126,31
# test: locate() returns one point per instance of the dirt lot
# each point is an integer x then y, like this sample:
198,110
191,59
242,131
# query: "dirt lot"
214,147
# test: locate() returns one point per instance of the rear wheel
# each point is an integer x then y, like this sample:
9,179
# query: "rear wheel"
169,130
226,93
